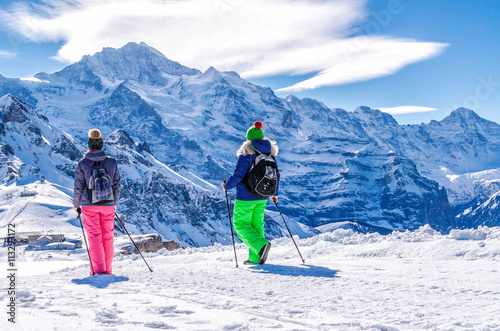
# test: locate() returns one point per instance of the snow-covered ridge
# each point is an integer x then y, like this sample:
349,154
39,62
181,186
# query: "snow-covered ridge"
468,244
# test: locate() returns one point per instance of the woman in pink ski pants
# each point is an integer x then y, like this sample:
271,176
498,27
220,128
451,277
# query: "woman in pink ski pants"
97,218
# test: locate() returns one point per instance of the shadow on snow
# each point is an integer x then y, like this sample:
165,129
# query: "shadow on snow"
305,270
100,281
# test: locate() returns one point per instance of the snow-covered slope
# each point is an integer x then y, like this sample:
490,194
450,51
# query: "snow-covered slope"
336,165
51,209
418,280
485,213
38,157
31,147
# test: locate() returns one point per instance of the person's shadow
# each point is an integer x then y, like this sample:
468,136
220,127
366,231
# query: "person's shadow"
305,270
100,281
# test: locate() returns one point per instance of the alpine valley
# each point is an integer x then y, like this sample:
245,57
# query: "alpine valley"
175,131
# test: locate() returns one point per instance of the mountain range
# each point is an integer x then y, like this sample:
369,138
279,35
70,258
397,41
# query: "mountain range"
175,132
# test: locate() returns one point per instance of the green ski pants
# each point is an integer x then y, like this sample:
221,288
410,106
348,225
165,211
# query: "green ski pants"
249,225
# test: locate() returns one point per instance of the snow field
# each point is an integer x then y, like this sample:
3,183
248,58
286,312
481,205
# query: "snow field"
417,280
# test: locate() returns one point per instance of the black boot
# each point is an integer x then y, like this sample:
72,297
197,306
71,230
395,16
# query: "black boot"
263,253
248,262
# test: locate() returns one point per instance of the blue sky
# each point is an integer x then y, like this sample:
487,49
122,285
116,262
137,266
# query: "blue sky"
410,54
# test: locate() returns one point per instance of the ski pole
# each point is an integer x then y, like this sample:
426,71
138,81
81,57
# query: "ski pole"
303,261
231,225
123,226
85,239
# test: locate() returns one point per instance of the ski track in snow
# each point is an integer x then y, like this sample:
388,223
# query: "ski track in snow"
417,280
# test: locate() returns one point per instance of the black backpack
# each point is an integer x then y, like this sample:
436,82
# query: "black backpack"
262,180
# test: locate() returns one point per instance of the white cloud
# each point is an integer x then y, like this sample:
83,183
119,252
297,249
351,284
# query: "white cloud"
7,54
406,110
255,38
377,58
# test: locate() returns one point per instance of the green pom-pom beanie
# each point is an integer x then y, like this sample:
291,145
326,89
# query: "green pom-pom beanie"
255,132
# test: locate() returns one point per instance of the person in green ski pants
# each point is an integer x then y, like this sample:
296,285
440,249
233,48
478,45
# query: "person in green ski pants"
249,209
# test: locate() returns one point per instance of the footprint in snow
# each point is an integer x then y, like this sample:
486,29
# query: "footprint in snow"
234,327
25,296
106,317
159,325
163,310
186,312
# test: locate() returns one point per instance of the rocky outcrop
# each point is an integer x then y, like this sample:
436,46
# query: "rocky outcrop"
150,244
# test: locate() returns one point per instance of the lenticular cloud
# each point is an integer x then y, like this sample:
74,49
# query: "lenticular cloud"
255,38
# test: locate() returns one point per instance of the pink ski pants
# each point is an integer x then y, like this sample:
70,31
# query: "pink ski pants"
99,225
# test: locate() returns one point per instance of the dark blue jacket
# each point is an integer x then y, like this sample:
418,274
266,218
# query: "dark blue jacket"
84,172
245,161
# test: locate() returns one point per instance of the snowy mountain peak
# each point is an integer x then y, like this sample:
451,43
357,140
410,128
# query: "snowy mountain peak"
313,103
464,113
211,74
291,98
132,47
233,74
13,109
138,62
466,118
307,103
134,62
372,117
365,109
7,100
121,138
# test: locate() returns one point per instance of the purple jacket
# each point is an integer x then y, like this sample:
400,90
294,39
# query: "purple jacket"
245,161
84,172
